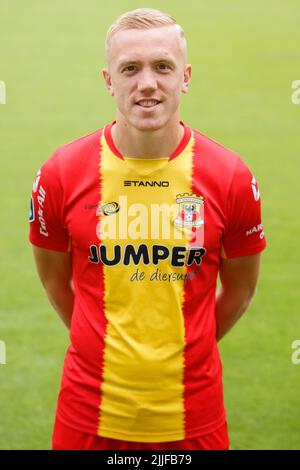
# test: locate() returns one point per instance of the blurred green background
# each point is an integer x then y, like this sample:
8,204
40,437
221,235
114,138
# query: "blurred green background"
245,56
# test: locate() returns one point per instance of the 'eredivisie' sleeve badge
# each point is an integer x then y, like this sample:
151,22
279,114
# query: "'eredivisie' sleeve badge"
31,211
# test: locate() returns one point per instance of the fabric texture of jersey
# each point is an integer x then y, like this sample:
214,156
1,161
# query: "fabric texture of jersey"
146,237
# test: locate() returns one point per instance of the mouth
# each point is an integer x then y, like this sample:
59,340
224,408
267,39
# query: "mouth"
148,104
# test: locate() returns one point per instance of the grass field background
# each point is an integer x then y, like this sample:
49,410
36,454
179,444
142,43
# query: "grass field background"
245,56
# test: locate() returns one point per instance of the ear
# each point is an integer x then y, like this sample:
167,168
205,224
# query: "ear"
108,81
186,78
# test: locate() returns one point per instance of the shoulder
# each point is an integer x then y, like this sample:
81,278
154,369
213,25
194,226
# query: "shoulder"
213,157
79,148
73,155
214,152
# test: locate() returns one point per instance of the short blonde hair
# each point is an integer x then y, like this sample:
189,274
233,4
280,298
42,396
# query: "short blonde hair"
143,18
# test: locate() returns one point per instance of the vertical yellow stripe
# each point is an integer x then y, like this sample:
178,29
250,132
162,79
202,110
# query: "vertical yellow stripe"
142,390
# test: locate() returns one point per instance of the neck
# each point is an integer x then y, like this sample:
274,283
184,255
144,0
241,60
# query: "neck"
134,143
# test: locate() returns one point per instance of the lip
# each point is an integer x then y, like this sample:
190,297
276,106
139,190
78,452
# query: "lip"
148,108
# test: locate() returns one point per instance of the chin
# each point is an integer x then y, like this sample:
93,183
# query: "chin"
147,124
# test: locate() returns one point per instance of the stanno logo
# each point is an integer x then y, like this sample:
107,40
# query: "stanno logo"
255,189
36,182
160,184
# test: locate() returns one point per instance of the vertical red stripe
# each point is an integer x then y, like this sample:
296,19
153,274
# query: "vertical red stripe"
79,398
103,320
203,399
189,352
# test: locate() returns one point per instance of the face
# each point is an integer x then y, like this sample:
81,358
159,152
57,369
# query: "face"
146,74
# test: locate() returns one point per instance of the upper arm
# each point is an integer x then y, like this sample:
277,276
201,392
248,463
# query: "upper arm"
240,274
244,238
47,225
47,232
244,235
54,267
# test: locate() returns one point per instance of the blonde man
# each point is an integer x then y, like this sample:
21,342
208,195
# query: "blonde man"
130,227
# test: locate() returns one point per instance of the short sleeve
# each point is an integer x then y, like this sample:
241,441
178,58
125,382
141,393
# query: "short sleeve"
47,228
244,234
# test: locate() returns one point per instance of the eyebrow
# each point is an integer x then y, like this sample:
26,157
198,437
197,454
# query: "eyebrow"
130,62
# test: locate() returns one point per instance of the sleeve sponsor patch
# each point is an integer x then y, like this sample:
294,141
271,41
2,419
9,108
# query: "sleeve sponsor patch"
31,211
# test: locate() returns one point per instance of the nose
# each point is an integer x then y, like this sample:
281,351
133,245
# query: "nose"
147,81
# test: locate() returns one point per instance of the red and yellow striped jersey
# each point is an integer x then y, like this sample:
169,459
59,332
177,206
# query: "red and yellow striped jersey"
146,237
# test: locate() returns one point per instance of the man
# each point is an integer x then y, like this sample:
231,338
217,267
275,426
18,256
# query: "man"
130,227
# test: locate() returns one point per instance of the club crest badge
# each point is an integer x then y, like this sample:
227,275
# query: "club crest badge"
190,218
191,210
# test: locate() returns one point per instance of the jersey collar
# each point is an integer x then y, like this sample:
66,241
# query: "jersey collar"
183,143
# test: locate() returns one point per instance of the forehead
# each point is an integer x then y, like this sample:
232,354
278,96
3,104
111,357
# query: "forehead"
146,44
